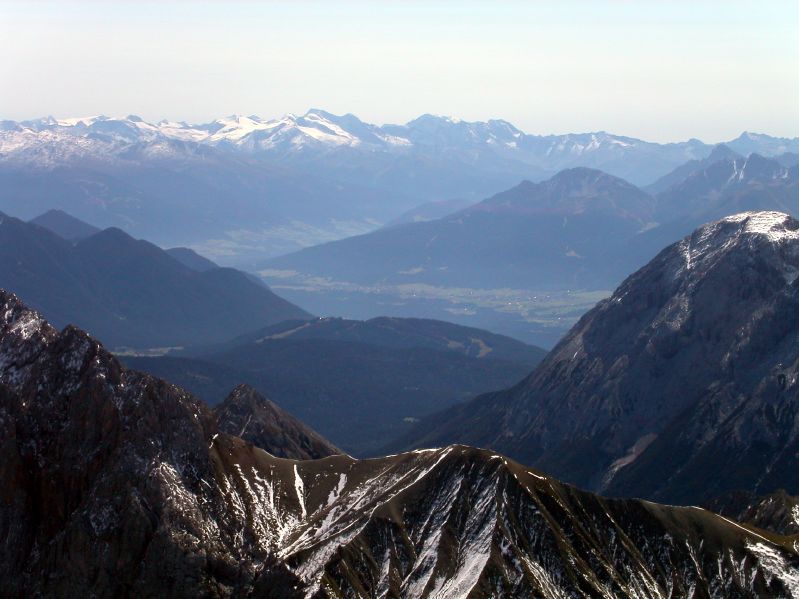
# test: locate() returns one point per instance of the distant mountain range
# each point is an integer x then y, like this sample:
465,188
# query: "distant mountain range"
550,235
245,188
680,387
713,190
720,153
115,483
358,383
127,291
529,261
722,186
53,142
526,262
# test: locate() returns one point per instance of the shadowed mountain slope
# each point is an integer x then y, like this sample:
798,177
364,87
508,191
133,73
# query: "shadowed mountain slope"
358,383
536,235
65,225
777,512
130,292
682,172
395,333
681,386
190,258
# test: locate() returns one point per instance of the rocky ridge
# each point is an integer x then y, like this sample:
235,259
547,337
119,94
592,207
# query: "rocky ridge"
118,484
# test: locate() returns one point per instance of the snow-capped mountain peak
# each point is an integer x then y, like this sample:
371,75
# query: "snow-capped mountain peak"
290,132
745,232
776,226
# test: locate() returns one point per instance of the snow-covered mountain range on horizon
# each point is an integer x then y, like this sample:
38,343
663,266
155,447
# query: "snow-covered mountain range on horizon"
244,188
49,141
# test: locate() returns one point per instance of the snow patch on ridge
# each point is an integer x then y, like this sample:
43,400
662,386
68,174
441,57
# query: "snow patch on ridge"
741,230
774,225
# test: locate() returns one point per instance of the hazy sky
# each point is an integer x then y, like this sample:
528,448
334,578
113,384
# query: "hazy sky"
661,70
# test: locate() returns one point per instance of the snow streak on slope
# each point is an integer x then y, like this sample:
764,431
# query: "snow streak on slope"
458,522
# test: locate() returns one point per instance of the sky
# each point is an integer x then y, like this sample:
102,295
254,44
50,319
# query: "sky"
654,69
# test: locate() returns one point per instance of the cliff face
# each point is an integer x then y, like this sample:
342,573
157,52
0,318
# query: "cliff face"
109,484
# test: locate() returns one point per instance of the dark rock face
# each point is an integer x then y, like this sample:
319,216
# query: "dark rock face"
249,415
116,484
109,487
679,387
459,521
777,512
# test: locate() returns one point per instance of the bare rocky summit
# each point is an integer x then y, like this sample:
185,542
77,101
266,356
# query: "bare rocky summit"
247,414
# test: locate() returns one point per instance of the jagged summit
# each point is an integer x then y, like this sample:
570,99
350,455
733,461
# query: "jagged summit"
54,140
722,152
719,153
707,190
18,321
247,414
749,142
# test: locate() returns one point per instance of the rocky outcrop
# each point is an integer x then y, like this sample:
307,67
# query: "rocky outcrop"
777,512
247,414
